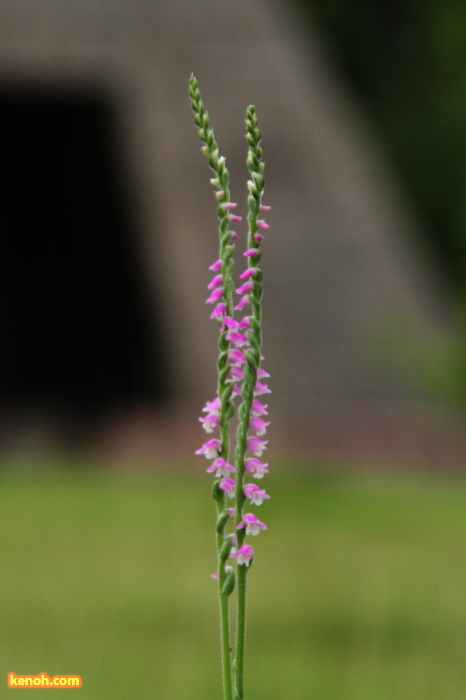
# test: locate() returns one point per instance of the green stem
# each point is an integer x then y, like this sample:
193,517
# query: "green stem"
224,616
240,630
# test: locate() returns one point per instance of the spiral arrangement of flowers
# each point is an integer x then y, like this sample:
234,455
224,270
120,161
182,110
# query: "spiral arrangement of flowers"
240,383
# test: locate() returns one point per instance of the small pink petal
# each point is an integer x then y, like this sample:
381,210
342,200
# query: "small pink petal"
261,388
214,406
264,207
216,282
256,467
234,236
258,237
244,301
221,467
244,323
216,266
215,296
256,445
236,338
246,287
228,486
250,272
261,373
210,449
251,252
244,554
211,421
229,322
252,524
233,217
259,425
236,372
229,205
237,356
262,224
219,312
258,408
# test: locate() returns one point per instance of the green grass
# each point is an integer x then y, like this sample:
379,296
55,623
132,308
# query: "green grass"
357,592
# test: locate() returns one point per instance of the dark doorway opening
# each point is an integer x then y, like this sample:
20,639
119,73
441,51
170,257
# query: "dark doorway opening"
76,329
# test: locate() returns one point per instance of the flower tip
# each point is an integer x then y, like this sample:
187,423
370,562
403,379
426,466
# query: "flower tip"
216,266
262,224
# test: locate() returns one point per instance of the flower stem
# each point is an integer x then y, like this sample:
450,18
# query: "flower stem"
222,180
240,631
253,357
224,616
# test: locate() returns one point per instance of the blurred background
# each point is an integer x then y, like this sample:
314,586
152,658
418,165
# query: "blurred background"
107,353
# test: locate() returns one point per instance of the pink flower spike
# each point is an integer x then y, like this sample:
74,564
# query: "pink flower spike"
252,524
258,237
264,207
216,282
216,266
215,296
244,554
213,406
228,485
237,356
261,388
256,445
246,287
256,467
236,338
258,425
221,468
210,422
244,301
219,311
258,408
262,224
234,236
250,272
256,494
251,253
262,374
229,205
233,217
210,449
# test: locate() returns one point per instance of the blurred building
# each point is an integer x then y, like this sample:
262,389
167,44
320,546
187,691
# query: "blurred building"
109,219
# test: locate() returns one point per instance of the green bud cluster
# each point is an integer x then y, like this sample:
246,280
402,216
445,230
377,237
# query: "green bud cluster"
227,248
